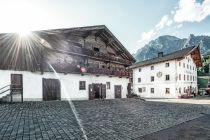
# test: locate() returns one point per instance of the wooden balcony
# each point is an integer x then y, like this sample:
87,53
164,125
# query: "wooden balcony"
105,57
88,70
120,73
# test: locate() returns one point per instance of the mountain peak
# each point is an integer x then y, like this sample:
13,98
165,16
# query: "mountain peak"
192,35
168,44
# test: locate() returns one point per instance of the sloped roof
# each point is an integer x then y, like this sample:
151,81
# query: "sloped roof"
175,55
101,30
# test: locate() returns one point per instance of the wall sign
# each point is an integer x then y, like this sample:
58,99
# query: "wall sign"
159,74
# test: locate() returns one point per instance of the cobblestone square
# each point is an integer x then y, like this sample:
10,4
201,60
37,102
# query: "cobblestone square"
101,119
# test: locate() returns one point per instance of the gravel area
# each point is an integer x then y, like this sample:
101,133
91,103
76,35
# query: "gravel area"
102,119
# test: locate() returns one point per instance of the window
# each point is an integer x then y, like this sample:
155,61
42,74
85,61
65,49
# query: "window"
180,76
167,90
190,67
152,78
184,77
167,64
140,90
139,69
167,77
184,65
184,90
144,89
108,85
96,49
187,77
139,80
152,67
180,90
152,90
82,85
187,66
190,77
180,64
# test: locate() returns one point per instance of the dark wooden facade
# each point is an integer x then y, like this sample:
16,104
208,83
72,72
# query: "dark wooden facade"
84,50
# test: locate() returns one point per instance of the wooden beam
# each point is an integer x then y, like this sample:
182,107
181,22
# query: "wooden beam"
86,34
98,34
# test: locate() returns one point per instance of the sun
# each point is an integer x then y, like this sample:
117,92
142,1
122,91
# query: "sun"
23,33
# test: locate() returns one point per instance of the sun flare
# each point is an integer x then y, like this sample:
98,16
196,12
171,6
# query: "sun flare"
23,34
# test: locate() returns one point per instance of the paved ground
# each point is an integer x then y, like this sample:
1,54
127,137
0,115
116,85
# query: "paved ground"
202,100
197,129
101,119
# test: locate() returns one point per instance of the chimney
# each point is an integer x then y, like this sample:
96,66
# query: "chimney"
160,54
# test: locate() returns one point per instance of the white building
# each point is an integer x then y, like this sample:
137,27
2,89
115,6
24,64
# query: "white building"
76,63
167,76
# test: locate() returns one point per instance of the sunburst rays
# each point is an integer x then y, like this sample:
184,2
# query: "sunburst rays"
21,51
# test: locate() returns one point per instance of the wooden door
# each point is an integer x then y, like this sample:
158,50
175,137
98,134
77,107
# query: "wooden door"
117,89
91,92
97,91
16,83
103,91
51,89
129,89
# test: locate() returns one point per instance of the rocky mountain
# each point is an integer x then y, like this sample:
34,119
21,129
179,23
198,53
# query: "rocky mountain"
168,44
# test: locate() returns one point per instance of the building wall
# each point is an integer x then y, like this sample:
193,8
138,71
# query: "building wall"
32,84
189,70
175,84
159,84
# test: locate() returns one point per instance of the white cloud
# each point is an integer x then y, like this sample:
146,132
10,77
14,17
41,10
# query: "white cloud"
187,11
207,33
164,22
192,11
178,26
147,35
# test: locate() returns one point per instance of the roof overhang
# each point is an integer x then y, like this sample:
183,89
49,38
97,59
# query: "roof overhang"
196,56
99,31
178,55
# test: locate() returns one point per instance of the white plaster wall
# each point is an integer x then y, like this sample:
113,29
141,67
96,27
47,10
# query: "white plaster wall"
159,84
186,71
32,84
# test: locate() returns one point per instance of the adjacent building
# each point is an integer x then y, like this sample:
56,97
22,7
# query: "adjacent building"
167,76
75,63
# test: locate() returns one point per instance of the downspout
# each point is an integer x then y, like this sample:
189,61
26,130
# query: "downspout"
176,77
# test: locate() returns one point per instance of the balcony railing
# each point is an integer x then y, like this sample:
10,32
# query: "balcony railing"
119,73
109,57
88,70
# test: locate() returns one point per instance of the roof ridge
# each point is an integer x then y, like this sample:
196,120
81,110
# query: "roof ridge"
171,56
168,54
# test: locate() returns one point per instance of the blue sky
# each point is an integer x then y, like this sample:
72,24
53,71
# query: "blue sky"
133,22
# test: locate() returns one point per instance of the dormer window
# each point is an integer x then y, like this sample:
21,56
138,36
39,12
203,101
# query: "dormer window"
152,67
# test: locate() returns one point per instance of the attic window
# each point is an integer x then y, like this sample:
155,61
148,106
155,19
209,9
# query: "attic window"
96,49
